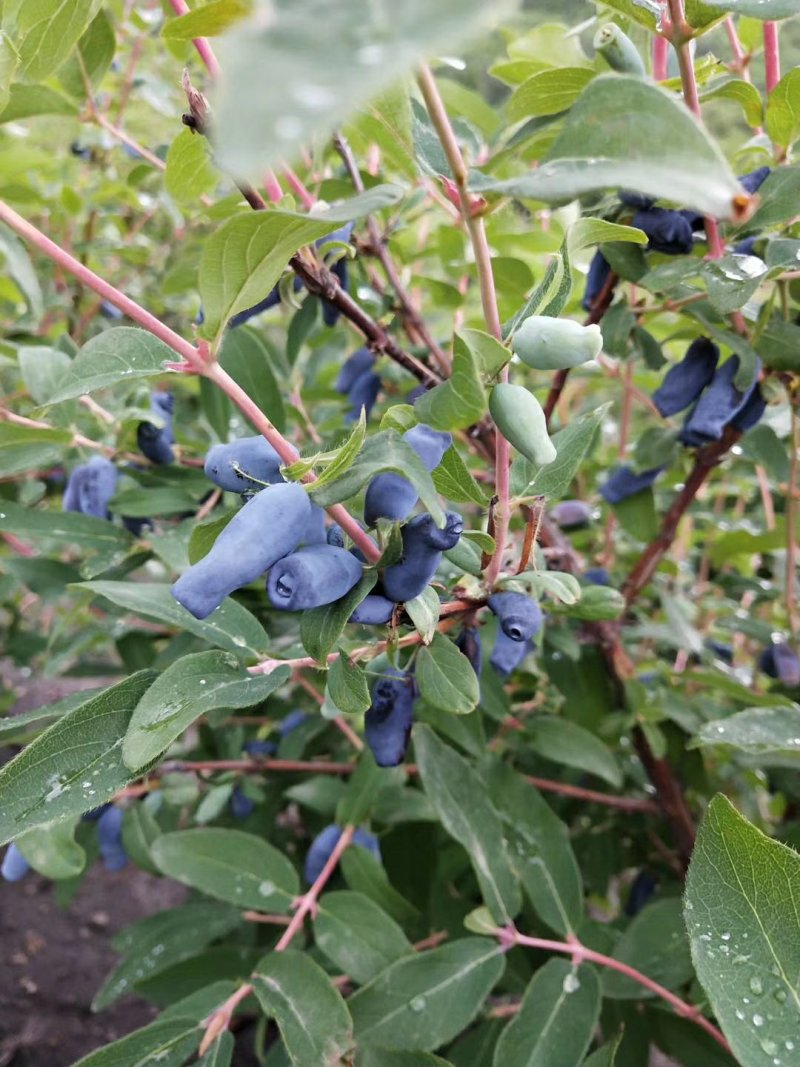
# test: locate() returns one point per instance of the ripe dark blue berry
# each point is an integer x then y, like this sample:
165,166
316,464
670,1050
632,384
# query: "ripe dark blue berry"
599,272
387,723
326,841
780,661
753,180
685,381
469,643
642,888
362,394
571,514
271,300
423,544
110,311
519,615
291,721
262,532
667,231
154,443
257,748
638,201
312,577
721,650
90,487
14,866
391,496
241,805
719,404
109,838
243,464
353,367
507,654
624,482
374,610
315,532
597,576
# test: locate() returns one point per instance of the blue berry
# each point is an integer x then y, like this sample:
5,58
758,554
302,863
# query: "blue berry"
423,544
271,300
290,722
752,412
320,852
14,866
519,615
109,838
571,514
90,487
597,576
469,643
508,654
315,532
719,404
753,180
599,272
362,394
685,381
391,496
154,443
262,532
368,841
353,367
312,577
241,805
374,610
388,721
257,748
745,247
624,482
667,231
642,888
330,312
721,650
780,661
243,464
110,311
638,201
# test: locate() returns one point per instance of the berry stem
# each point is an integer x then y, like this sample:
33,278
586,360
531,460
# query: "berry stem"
204,49
580,953
772,55
660,58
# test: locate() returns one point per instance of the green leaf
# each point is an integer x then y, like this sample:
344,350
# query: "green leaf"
779,195
93,56
626,133
27,448
742,923
732,280
573,444
8,65
384,1057
778,345
540,850
46,31
12,723
167,1042
52,850
190,687
742,92
565,742
246,256
233,866
221,1052
19,267
655,943
41,368
74,766
554,1026
63,528
210,20
365,874
757,9
120,354
231,626
190,170
322,627
384,451
311,1015
423,611
357,936
770,735
245,356
548,92
453,480
27,101
347,686
314,65
359,797
161,940
461,801
425,1000
445,677
461,400
559,585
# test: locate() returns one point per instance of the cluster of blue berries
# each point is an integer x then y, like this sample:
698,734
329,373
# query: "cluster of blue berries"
109,839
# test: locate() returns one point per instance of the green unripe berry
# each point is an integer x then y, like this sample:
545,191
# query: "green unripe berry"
619,51
545,343
520,419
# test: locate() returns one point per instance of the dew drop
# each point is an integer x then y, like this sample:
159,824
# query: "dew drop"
758,1020
780,996
418,1004
726,936
756,985
266,889
571,983
769,1046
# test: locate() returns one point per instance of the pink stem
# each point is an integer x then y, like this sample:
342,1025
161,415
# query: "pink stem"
660,58
772,55
581,953
272,187
306,198
308,902
204,49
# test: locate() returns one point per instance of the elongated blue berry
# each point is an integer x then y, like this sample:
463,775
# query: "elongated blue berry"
667,231
753,180
389,495
14,866
90,488
109,838
374,610
779,660
271,300
423,544
290,722
719,404
519,615
685,381
362,394
599,273
597,576
571,514
312,577
326,841
751,413
154,444
642,888
256,747
266,529
330,312
243,464
507,654
242,806
469,642
353,367
638,201
387,723
624,482
315,532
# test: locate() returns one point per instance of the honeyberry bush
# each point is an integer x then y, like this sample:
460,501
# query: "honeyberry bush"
416,441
